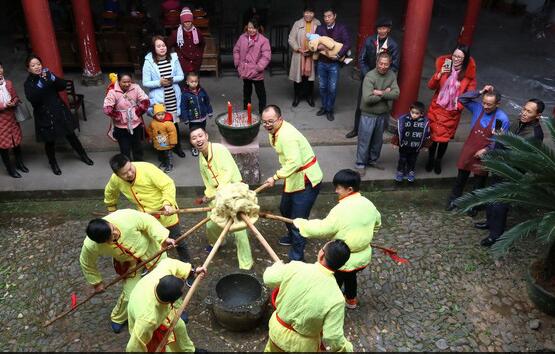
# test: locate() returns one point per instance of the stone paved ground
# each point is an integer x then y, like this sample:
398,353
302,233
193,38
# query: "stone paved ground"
452,296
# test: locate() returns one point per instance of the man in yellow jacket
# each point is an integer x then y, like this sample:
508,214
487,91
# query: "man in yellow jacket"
129,237
152,307
150,189
217,169
310,308
299,170
353,220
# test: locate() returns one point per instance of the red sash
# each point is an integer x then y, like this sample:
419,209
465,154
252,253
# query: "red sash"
156,339
308,165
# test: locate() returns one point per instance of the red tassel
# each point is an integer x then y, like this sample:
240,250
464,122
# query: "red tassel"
73,300
393,255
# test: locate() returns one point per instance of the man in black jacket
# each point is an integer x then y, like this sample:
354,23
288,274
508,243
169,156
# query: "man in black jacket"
373,45
529,128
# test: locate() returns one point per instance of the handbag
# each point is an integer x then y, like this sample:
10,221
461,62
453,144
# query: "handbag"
22,113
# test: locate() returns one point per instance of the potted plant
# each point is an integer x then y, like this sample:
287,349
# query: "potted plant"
527,170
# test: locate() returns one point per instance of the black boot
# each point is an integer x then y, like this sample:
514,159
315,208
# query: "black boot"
310,100
12,172
437,166
19,160
83,156
9,167
296,89
430,164
55,168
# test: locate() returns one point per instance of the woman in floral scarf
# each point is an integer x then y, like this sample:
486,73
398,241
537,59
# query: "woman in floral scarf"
455,74
302,65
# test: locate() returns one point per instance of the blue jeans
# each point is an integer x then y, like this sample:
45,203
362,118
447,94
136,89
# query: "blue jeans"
328,75
298,205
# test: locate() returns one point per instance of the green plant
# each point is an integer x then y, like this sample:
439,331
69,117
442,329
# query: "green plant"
527,170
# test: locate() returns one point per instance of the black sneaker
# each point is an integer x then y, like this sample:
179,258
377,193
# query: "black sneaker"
194,152
321,112
168,168
487,242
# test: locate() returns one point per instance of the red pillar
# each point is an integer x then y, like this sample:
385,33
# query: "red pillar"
415,41
87,42
41,34
470,20
369,10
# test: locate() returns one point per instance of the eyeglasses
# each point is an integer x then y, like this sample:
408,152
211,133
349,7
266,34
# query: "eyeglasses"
269,122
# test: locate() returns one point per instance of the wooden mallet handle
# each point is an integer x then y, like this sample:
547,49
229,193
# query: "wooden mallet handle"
260,238
191,291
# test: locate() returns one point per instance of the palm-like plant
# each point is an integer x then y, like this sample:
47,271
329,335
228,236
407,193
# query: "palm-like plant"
528,173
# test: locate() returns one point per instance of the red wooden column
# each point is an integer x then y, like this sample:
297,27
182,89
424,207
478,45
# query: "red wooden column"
369,10
415,41
42,36
470,20
92,74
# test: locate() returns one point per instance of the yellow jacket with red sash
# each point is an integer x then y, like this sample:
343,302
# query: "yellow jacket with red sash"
310,308
141,237
353,220
148,317
296,157
150,191
217,169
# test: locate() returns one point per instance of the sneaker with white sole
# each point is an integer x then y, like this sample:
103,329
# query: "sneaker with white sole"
351,303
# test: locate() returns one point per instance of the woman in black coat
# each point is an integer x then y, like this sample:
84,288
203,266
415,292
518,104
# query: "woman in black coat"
53,119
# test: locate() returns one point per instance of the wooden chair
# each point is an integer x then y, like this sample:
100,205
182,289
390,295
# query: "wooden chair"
75,100
210,56
116,50
278,41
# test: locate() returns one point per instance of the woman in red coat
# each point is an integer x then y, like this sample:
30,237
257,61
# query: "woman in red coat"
10,131
455,74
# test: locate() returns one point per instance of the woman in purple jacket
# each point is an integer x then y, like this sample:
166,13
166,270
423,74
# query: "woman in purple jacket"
251,56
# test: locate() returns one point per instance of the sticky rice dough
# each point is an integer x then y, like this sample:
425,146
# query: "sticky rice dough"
232,199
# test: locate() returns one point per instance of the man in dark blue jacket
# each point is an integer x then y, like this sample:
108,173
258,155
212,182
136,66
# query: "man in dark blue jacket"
328,68
373,45
529,128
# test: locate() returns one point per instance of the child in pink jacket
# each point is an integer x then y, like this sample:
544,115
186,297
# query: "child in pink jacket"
125,104
251,55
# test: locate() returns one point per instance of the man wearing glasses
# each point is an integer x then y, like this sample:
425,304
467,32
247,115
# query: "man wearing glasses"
299,170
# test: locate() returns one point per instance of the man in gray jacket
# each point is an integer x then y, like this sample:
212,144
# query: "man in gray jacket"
379,89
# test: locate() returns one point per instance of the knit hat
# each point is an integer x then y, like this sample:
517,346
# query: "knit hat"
158,108
186,15
384,22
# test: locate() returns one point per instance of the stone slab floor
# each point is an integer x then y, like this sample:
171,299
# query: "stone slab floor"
452,295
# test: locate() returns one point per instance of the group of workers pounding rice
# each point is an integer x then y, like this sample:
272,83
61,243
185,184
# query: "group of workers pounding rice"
309,299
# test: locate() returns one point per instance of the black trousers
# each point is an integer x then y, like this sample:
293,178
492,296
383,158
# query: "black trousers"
349,279
496,216
165,157
407,160
178,145
304,89
441,148
50,147
182,250
260,93
462,178
130,143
